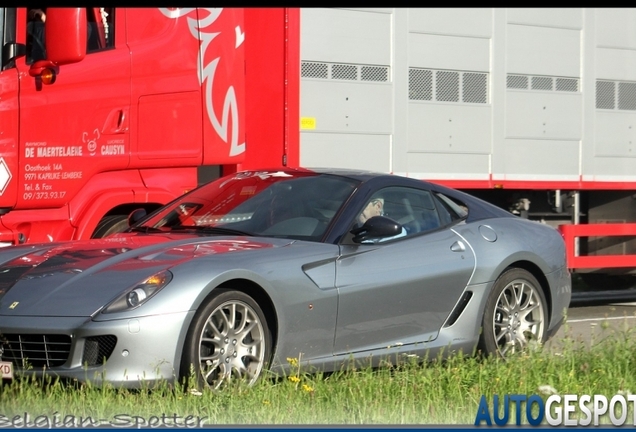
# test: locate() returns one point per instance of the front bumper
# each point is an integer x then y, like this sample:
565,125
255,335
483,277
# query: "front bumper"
146,350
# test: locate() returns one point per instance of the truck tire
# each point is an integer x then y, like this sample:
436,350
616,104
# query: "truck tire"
109,225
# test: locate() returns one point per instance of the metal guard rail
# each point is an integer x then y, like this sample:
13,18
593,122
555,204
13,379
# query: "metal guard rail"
571,232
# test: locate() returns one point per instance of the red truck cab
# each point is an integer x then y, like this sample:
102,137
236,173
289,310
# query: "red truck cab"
105,110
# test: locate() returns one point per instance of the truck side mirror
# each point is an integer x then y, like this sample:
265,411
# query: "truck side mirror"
65,37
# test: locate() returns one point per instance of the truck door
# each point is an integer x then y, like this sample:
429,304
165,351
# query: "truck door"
77,125
9,108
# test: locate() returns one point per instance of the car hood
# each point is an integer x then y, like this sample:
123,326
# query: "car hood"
79,278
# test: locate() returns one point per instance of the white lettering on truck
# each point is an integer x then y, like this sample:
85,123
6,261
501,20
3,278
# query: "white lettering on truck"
69,151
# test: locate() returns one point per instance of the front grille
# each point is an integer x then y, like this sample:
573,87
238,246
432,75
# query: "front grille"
97,349
33,350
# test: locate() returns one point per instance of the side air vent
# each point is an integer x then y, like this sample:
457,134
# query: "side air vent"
448,86
344,72
542,83
459,308
616,95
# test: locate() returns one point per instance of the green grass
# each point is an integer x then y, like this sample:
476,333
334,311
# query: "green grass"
437,392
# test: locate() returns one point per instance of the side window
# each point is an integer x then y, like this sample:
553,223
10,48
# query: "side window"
7,36
450,210
100,28
414,209
35,50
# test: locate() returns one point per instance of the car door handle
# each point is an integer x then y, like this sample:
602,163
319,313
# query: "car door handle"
458,246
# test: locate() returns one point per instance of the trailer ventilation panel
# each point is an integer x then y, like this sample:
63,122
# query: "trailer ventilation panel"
542,83
344,72
616,95
448,86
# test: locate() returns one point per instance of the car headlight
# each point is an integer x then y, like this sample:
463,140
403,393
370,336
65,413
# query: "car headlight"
137,295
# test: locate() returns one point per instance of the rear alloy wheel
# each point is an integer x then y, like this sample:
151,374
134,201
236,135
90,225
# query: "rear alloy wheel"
515,315
228,338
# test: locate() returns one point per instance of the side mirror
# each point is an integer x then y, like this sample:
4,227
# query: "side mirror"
375,228
136,215
66,35
65,41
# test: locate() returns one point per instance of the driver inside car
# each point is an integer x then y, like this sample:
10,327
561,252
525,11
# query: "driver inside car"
375,207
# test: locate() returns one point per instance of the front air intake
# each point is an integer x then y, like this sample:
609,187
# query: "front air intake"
97,349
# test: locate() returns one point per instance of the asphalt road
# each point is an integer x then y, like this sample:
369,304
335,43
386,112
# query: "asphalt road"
595,315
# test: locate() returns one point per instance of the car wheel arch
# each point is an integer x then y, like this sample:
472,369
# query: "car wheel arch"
535,271
516,320
244,286
250,288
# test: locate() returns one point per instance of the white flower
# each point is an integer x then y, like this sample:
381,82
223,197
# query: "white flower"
547,390
195,392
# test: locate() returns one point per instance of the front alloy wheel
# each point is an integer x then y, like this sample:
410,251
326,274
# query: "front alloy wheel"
229,338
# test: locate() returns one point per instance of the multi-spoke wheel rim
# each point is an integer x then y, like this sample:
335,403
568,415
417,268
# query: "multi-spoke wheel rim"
232,344
518,318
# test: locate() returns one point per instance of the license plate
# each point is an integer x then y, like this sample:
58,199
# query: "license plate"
7,369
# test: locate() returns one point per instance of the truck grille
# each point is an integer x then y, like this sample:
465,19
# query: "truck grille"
31,350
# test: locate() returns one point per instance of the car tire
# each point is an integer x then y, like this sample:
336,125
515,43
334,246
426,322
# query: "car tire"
109,225
515,316
216,350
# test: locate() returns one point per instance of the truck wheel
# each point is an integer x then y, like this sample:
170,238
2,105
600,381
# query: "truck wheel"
109,225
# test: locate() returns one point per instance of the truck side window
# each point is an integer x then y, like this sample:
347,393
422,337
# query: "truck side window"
35,49
99,26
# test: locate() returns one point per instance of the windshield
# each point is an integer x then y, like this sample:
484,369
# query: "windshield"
298,205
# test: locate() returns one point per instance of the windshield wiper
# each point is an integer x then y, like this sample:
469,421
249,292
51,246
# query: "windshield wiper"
144,229
211,230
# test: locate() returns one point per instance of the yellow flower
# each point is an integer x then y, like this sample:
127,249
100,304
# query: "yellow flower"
307,388
266,402
294,378
292,361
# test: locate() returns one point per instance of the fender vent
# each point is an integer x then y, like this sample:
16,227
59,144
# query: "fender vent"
459,308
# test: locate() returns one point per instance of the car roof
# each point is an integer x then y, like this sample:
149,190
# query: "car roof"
479,209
